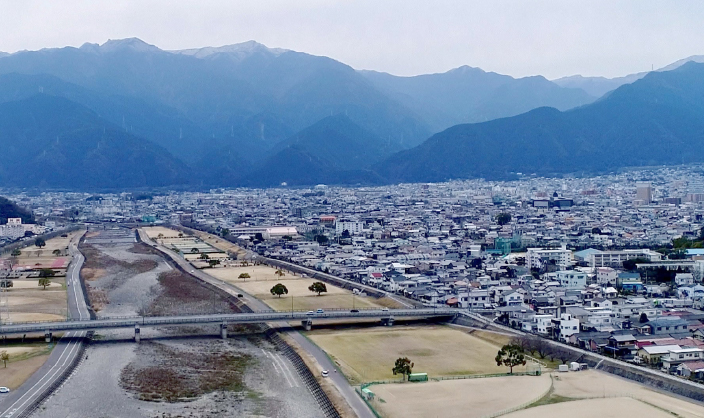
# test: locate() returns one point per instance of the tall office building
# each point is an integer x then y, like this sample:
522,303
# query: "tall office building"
644,192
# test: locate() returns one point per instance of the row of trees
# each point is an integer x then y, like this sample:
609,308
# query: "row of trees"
280,289
540,347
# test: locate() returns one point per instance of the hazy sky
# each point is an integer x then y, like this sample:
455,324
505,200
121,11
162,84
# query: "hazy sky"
552,38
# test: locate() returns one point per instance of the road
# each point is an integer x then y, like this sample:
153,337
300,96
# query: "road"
355,402
22,400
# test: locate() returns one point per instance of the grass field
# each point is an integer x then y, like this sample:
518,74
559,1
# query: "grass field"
263,278
369,354
471,398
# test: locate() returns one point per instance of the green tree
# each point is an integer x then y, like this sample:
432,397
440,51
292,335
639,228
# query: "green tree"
224,232
47,273
16,253
244,276
194,250
596,230
40,243
279,290
503,218
403,366
44,282
213,263
630,265
4,357
321,239
510,355
318,287
643,318
56,252
204,256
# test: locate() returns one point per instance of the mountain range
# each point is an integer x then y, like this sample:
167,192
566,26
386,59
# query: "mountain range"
127,114
658,119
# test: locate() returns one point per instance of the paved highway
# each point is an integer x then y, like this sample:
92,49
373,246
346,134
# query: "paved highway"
19,402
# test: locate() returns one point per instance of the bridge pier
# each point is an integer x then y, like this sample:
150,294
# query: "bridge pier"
223,331
387,321
307,324
137,337
47,336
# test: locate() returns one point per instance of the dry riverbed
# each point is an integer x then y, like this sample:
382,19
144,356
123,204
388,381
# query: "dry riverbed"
172,373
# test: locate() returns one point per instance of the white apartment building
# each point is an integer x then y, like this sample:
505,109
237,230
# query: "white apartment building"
565,326
616,258
13,229
539,257
605,275
353,227
571,279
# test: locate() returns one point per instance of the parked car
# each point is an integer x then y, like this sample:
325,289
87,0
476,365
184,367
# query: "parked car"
240,295
3,389
354,310
385,309
310,313
320,311
325,373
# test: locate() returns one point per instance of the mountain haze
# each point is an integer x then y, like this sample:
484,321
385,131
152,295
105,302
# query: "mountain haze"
656,120
467,95
49,141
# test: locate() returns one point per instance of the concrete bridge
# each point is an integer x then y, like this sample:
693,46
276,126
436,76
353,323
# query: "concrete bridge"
386,316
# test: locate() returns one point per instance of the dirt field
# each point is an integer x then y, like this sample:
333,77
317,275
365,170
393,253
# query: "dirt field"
594,408
593,383
17,372
32,284
154,231
368,354
32,303
263,278
34,317
219,243
471,398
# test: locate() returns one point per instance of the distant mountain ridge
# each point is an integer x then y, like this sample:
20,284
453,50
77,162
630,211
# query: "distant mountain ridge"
467,95
599,86
246,114
52,142
656,120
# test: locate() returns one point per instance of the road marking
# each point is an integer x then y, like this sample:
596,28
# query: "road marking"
287,372
290,380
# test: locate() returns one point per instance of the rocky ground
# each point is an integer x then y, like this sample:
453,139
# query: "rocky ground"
172,373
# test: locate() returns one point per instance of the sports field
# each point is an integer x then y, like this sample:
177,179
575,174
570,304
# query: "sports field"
471,398
263,278
595,408
369,354
593,383
153,232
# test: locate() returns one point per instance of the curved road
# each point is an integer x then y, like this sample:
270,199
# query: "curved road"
358,405
20,401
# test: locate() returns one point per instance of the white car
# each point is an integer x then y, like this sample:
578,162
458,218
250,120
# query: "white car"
325,373
3,389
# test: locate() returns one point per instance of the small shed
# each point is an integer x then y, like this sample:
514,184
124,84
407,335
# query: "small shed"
418,377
